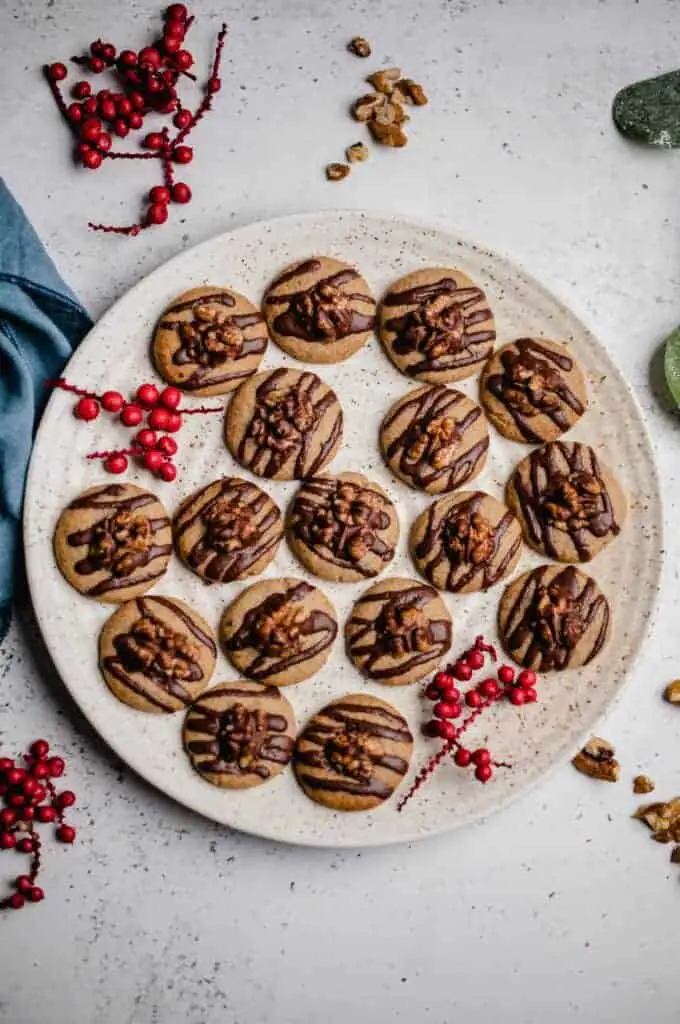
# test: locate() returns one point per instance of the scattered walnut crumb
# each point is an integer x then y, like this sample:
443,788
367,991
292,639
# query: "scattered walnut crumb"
411,92
357,153
336,172
672,692
643,784
384,81
597,760
663,819
359,46
365,107
675,855
388,134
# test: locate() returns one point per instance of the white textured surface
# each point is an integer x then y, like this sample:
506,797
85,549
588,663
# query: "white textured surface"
559,908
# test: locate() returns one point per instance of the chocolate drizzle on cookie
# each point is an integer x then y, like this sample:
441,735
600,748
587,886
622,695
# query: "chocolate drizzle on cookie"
551,616
433,447
282,634
441,327
532,384
324,312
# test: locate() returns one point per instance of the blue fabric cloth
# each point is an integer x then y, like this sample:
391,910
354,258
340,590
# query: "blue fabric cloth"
41,322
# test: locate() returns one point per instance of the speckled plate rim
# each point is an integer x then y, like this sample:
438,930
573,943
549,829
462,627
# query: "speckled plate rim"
36,566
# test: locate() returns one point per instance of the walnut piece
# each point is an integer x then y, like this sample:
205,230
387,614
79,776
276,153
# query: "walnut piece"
365,107
277,628
385,80
357,153
572,501
281,418
663,819
597,760
468,539
403,629
324,311
436,327
229,525
437,444
388,134
348,525
359,46
241,735
675,855
643,784
120,543
411,92
531,384
337,172
156,650
352,753
672,692
211,337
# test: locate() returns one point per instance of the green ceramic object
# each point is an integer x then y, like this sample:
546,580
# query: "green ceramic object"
650,110
671,364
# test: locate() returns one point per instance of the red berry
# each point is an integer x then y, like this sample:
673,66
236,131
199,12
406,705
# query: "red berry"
530,695
146,438
91,129
183,60
462,671
25,846
40,770
214,84
74,112
442,680
96,48
183,154
6,763
7,841
81,90
147,394
167,472
108,52
46,814
483,772
154,86
506,674
446,730
157,213
526,678
58,72
135,120
182,119
450,694
96,65
431,728
108,110
174,422
171,397
432,692
36,894
104,142
91,106
39,794
30,785
16,901
121,128
128,58
153,460
518,696
481,756
181,193
56,767
167,445
23,884
66,799
154,140
16,799
86,409
174,29
92,160
112,401
131,416
489,688
150,56
159,418
104,94
124,107
7,817
137,101
66,834
15,776
159,194
116,464
475,659
473,699
462,757
443,710
27,813
176,12
171,44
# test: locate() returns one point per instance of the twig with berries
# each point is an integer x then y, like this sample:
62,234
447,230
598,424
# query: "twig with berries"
450,704
147,82
30,798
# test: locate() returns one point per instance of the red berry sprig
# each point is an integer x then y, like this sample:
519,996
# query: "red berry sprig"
450,704
146,83
30,798
153,447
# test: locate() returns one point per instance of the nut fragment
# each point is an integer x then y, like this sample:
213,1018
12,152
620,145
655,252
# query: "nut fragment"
411,92
597,760
336,172
675,855
357,153
643,784
359,46
365,107
385,80
672,692
663,819
388,134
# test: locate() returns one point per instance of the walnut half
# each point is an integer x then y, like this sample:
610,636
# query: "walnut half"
597,760
663,819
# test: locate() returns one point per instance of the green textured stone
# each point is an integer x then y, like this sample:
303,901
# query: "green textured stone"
672,364
650,110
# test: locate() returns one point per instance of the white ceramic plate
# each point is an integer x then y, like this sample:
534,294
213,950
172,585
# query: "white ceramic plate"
115,354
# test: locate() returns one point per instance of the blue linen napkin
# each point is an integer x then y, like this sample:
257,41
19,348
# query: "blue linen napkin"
41,323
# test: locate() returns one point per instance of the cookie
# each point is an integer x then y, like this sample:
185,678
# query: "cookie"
352,755
209,340
465,542
435,438
398,631
284,424
113,542
343,528
436,325
568,503
239,734
156,654
279,631
553,617
227,530
320,310
533,390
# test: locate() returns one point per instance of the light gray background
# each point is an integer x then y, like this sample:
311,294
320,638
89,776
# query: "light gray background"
560,908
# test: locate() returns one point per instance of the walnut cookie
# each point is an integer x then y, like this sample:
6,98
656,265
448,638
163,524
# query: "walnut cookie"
465,542
320,310
435,438
228,530
156,654
343,528
279,631
533,391
352,755
398,631
113,542
209,340
239,734
569,504
553,618
436,325
284,424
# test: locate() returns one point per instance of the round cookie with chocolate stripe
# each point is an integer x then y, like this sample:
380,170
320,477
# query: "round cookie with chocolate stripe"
209,340
533,390
113,542
227,530
465,542
239,734
156,654
279,631
320,310
352,755
553,618
343,528
284,424
436,325
398,631
435,438
569,504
